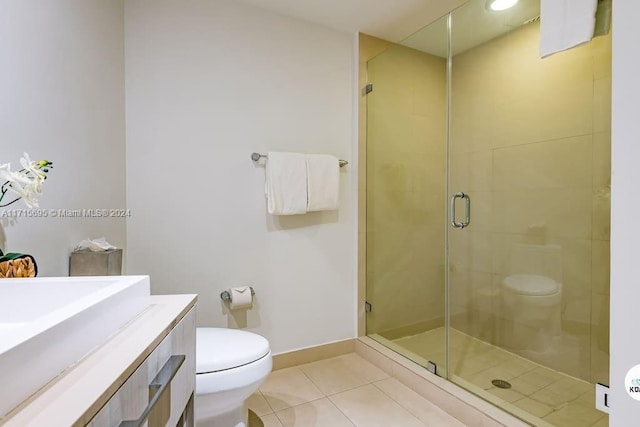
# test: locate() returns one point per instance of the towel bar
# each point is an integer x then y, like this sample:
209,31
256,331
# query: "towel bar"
256,156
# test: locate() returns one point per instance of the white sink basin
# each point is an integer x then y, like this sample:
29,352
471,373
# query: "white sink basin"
47,324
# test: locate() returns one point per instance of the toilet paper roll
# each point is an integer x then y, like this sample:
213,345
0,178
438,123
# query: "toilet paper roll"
240,297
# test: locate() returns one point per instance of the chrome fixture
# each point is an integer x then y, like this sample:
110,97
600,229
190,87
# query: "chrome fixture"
452,210
226,295
256,156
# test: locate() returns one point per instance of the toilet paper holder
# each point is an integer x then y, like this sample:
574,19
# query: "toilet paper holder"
226,295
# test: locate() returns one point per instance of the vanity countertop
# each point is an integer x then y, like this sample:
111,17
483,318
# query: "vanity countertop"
77,394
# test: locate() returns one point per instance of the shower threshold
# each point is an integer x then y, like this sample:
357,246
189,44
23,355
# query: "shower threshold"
538,395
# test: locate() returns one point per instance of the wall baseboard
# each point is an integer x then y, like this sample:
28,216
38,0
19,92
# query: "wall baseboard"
313,354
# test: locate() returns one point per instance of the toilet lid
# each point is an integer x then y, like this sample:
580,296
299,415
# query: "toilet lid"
530,284
218,349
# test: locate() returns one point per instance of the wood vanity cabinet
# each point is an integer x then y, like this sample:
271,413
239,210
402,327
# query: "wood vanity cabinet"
142,376
160,390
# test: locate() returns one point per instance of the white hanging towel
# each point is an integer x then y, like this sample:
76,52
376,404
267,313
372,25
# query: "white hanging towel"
565,24
323,182
286,183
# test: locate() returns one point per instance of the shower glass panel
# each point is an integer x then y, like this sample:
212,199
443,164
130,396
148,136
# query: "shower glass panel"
405,195
514,305
529,144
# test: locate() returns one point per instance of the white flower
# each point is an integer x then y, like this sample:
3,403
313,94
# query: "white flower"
25,193
5,172
30,167
37,176
7,175
30,201
35,187
25,183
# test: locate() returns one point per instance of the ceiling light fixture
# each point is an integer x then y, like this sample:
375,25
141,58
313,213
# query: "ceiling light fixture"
498,5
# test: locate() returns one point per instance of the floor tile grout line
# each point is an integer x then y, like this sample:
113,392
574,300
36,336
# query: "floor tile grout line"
292,406
340,410
367,381
300,404
404,407
311,379
314,400
317,362
266,400
312,382
278,417
327,396
324,395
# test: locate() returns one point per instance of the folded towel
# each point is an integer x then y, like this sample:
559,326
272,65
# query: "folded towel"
323,182
565,24
286,183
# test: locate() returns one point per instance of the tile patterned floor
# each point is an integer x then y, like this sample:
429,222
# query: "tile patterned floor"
551,397
343,391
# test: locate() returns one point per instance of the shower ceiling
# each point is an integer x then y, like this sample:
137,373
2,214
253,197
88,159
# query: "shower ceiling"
404,21
475,25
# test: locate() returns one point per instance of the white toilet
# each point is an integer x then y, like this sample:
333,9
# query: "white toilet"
532,297
230,366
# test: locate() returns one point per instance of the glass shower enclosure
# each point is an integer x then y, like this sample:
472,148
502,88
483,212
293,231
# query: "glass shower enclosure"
487,210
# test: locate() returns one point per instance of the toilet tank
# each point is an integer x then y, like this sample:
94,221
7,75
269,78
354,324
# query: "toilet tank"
542,260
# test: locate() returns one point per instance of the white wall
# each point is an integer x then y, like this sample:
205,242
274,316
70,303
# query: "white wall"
625,205
62,98
207,83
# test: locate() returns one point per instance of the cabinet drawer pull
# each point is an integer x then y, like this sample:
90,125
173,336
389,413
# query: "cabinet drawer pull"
159,384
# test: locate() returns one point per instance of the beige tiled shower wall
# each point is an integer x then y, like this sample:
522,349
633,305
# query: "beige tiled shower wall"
405,178
530,143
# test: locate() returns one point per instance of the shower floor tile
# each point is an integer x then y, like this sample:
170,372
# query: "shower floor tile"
540,395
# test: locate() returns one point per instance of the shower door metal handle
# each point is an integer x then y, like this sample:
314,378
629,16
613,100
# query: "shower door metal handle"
452,210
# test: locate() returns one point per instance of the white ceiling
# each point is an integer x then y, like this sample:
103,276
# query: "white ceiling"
391,20
472,25
405,21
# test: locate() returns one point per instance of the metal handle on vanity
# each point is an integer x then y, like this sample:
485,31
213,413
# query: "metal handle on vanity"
452,210
159,384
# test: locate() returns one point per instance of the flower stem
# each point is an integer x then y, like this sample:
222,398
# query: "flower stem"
3,192
8,204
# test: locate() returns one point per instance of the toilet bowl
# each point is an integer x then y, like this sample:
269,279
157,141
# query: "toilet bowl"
230,366
532,297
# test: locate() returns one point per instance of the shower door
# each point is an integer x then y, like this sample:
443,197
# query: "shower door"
405,195
528,239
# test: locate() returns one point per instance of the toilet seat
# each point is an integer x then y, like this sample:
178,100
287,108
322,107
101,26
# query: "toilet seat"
531,285
230,366
220,349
